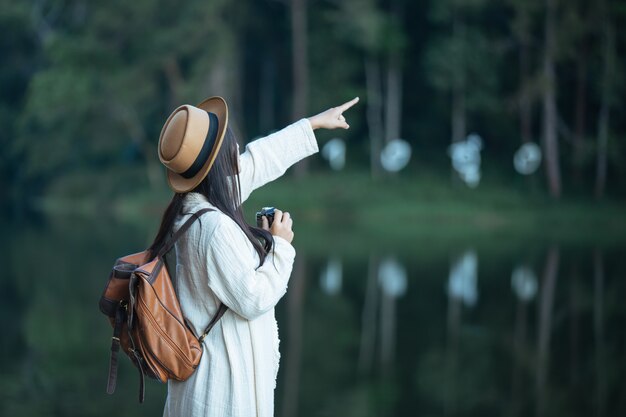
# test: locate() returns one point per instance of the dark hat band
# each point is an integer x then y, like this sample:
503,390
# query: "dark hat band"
205,152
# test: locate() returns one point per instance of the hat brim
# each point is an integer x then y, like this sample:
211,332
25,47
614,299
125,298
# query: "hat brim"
180,184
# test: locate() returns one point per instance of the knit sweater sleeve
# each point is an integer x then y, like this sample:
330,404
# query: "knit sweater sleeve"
268,158
234,275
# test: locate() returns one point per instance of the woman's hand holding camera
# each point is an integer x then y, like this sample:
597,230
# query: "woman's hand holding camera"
281,226
333,117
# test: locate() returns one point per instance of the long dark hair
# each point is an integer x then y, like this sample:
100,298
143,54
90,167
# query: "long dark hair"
221,188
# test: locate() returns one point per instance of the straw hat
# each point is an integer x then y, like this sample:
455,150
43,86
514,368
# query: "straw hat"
190,140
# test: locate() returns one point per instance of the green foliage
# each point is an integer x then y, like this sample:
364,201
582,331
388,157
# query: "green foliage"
102,86
86,86
361,23
462,55
453,61
446,11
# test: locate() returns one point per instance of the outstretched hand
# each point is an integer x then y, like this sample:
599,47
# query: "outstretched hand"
333,117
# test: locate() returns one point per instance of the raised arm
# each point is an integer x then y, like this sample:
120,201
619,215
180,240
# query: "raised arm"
268,158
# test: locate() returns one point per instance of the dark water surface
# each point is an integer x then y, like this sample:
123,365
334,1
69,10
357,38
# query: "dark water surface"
490,326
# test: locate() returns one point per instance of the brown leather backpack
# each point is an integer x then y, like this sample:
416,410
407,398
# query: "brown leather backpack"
147,321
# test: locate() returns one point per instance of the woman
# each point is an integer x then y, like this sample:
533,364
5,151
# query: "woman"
221,259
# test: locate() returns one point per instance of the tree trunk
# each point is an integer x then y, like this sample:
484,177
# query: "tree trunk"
224,79
605,107
458,125
300,69
393,103
579,113
131,120
526,93
374,114
458,113
550,121
267,96
525,100
175,81
459,129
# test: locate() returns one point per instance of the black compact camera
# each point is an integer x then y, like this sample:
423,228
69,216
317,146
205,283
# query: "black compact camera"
267,212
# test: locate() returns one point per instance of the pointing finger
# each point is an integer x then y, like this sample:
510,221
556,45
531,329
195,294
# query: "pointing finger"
345,106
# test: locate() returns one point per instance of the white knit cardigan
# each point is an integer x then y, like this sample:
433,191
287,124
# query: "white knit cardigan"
216,263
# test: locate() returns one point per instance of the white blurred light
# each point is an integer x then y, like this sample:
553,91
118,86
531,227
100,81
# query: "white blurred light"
466,160
471,176
524,283
396,155
332,277
335,152
392,278
475,140
527,158
463,279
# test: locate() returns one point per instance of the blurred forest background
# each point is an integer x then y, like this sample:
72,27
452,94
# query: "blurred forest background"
417,292
85,87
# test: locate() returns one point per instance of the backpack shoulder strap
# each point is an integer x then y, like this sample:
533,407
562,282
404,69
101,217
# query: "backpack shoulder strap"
195,216
218,315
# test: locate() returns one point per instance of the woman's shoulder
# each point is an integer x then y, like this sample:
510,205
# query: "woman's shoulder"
211,222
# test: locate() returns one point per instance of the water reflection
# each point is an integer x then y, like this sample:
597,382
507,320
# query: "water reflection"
546,306
393,284
463,279
293,358
524,284
332,276
486,329
368,318
387,281
598,330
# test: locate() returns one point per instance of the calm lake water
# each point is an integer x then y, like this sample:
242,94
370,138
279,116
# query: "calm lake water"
491,326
